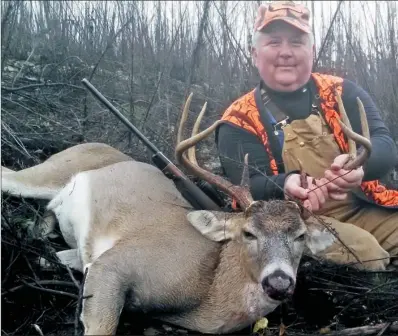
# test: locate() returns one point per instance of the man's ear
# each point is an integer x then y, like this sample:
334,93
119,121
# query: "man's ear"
319,238
215,225
253,52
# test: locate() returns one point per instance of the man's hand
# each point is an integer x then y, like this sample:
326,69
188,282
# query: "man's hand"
314,197
340,180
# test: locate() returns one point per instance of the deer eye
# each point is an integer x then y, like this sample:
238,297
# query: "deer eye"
300,237
248,235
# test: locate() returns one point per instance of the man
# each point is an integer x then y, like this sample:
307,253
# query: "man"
291,116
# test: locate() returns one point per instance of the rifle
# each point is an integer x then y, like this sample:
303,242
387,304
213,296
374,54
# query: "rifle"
191,192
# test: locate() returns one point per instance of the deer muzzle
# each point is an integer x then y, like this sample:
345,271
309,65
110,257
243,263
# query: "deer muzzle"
278,285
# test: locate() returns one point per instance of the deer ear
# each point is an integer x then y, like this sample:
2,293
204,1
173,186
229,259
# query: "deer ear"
217,226
319,238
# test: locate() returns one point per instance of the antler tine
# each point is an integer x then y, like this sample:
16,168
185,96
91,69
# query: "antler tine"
364,120
346,125
245,182
184,116
195,129
240,193
364,140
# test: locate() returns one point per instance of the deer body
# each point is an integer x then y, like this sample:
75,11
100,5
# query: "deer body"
146,249
141,233
169,264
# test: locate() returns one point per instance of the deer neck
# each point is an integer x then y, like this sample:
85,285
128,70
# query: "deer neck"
231,274
234,300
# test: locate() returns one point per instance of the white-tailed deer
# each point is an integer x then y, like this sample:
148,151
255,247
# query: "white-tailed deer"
146,249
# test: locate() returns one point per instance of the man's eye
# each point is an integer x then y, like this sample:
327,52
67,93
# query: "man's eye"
297,42
274,42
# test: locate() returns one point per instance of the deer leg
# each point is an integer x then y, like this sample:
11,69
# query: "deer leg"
143,279
68,258
28,183
103,297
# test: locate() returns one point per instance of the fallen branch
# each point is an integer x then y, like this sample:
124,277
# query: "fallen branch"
40,282
34,86
52,291
365,330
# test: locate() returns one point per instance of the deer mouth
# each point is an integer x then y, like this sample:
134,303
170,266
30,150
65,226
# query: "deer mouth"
279,295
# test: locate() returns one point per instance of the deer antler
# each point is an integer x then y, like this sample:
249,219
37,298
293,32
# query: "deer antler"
355,161
242,192
195,129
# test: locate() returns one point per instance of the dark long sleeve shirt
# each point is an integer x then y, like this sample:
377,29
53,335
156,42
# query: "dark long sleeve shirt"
232,141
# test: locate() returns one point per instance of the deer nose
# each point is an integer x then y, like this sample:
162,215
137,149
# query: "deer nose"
278,285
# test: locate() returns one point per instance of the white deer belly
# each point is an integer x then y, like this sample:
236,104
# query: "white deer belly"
72,208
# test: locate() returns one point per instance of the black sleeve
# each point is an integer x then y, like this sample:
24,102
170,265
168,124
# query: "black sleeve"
384,151
233,143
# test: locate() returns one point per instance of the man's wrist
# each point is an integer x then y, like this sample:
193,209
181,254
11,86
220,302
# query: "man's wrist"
289,175
292,172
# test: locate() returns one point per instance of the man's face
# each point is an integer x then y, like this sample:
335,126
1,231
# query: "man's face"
283,56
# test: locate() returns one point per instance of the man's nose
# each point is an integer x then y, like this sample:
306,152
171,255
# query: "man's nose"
285,50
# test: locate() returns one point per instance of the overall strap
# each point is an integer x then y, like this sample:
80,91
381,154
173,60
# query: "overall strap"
274,145
274,119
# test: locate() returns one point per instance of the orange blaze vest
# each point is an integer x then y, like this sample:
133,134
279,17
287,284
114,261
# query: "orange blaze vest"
244,113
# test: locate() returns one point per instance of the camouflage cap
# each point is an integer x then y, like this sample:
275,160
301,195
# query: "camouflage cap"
294,14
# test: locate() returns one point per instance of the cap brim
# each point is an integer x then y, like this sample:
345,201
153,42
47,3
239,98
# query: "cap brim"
293,22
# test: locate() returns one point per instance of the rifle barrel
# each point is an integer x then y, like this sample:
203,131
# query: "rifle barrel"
106,102
196,196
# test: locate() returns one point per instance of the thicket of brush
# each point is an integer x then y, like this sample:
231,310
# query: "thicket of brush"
145,57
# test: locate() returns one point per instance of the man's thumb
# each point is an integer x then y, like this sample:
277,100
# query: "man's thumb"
340,161
299,192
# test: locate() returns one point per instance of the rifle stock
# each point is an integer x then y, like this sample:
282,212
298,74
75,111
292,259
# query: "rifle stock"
191,192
